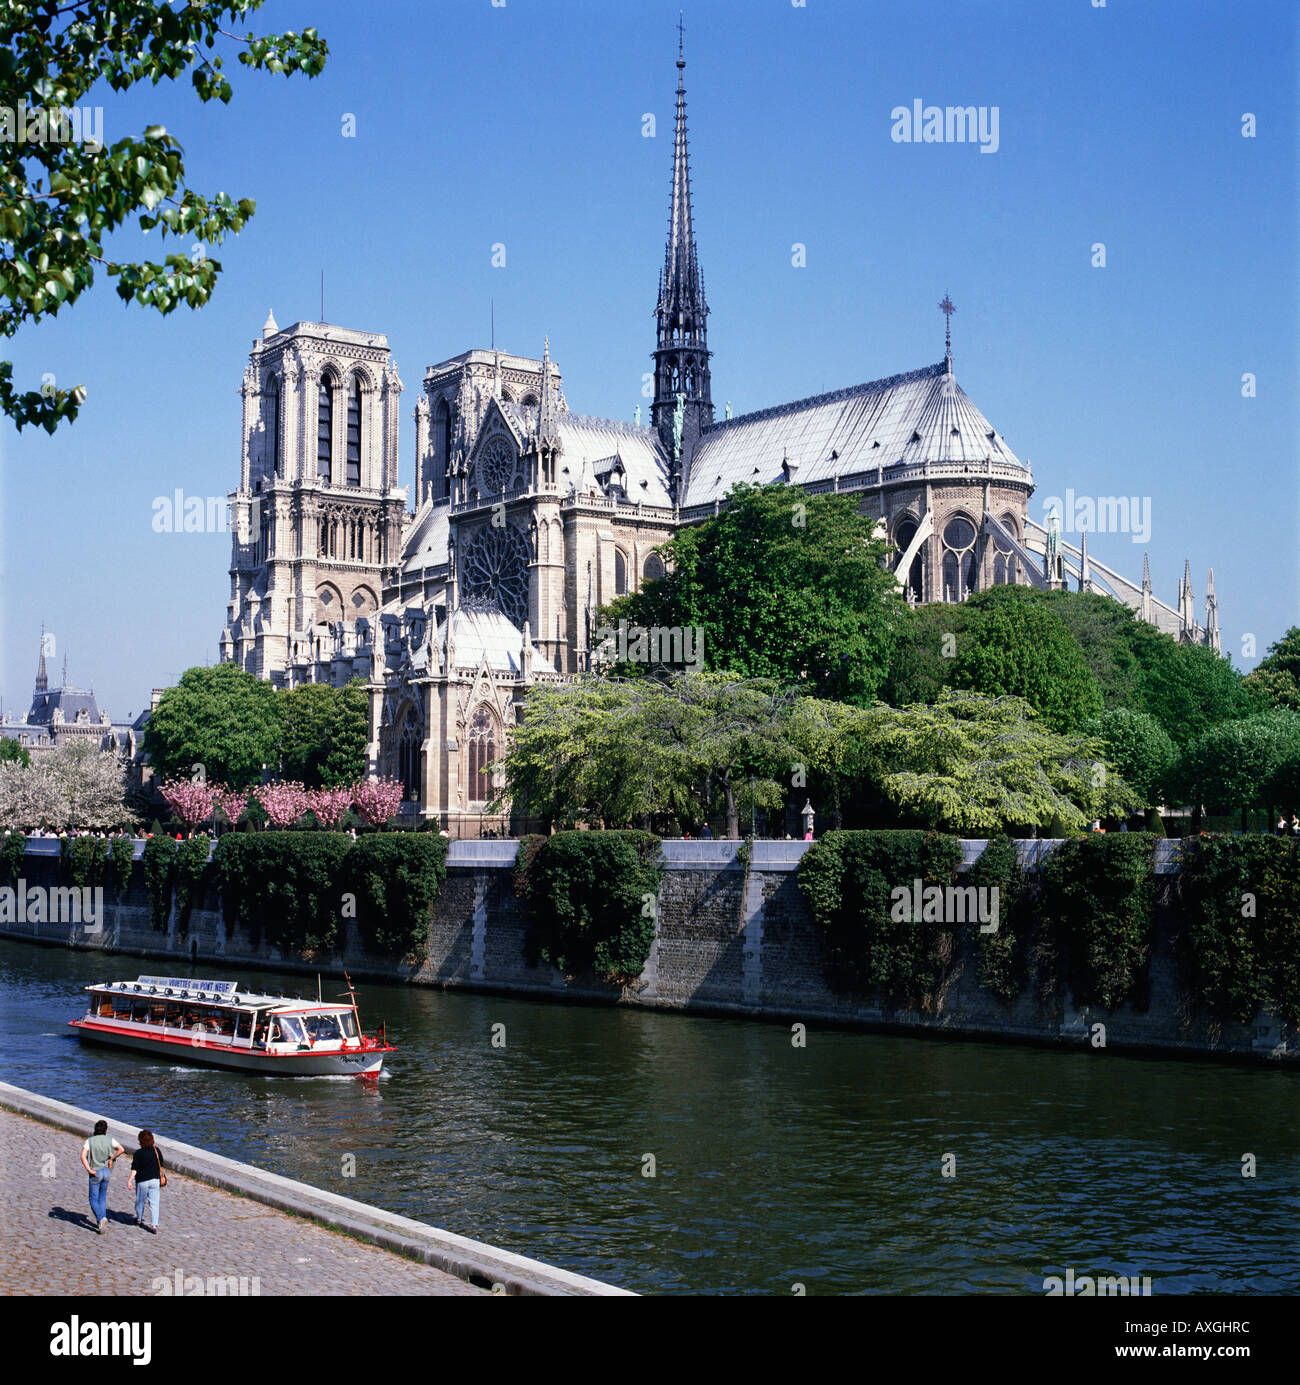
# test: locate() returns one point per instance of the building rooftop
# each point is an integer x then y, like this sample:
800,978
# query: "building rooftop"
920,416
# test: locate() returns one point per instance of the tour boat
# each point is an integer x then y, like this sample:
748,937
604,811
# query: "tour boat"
221,1024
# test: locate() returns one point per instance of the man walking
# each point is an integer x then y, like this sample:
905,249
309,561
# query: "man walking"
97,1156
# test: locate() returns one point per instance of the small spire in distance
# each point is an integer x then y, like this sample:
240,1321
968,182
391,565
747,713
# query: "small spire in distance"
947,309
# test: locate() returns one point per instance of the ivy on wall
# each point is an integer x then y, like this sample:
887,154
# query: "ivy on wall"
849,880
159,853
12,846
1241,942
82,860
591,900
1097,897
1000,955
121,854
284,887
395,878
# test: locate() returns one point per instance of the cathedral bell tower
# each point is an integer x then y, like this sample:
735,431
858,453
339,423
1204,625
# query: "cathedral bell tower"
681,353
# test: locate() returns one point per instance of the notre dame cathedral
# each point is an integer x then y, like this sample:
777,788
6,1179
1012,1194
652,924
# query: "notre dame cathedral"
527,518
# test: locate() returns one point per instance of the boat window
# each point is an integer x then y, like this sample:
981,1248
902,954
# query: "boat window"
349,1023
242,1025
121,1007
173,1013
291,1030
323,1027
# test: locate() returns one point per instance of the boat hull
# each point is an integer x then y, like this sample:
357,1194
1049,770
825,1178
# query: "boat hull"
366,1062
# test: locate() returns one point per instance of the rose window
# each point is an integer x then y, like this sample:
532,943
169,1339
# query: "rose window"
495,570
496,467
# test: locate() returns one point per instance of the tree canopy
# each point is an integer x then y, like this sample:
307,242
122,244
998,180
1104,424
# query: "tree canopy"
978,765
1186,688
228,721
783,585
326,731
1019,648
1247,763
1275,680
1137,747
63,196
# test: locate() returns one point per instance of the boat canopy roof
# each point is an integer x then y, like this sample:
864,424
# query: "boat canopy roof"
211,993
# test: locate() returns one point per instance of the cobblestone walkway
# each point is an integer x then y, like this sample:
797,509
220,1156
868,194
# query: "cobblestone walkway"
51,1248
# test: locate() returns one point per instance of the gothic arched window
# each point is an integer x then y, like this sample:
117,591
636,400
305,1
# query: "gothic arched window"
654,568
354,434
959,535
482,751
273,424
408,755
440,480
324,429
620,573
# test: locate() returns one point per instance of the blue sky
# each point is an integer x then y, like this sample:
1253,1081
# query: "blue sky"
522,124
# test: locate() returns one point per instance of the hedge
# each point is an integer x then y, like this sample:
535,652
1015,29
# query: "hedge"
12,846
591,900
394,877
1241,942
286,887
1001,962
1098,893
848,880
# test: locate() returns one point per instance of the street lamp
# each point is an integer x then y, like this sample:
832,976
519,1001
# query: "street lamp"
808,816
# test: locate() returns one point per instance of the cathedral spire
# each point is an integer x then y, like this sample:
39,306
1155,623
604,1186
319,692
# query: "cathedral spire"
42,681
1211,614
1186,604
1146,588
546,426
681,350
1085,574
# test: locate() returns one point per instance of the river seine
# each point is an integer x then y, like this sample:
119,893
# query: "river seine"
774,1166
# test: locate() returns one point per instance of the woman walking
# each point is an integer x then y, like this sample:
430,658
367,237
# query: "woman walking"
97,1157
147,1178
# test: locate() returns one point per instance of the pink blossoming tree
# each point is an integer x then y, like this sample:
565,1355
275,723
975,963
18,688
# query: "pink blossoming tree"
329,805
190,801
283,804
377,799
232,802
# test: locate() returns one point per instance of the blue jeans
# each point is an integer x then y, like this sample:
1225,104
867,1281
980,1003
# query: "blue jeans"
147,1195
99,1194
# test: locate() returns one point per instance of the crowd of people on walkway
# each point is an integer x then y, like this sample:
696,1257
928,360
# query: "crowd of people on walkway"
146,1180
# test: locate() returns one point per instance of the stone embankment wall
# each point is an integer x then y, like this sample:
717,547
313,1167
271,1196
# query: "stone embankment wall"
731,938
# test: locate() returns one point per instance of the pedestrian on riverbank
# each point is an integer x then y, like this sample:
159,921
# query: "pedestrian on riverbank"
147,1176
98,1155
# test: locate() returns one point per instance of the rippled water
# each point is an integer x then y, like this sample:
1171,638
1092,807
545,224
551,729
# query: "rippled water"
775,1165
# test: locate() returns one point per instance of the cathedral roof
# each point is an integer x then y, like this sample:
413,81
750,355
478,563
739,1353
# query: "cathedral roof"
596,441
425,542
920,416
479,635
